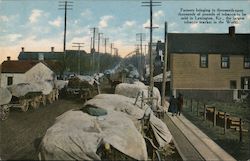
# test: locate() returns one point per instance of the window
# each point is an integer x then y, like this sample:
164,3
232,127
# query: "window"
225,61
245,82
233,84
247,62
204,61
9,81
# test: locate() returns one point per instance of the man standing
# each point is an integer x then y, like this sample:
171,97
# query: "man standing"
180,103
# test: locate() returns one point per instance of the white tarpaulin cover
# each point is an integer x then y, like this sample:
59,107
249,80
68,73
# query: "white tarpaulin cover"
77,136
60,84
5,96
124,104
44,87
22,89
115,102
87,78
158,78
131,90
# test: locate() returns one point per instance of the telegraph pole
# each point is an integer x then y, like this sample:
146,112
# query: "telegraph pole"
99,36
78,45
165,66
93,49
65,5
111,47
151,4
141,37
105,44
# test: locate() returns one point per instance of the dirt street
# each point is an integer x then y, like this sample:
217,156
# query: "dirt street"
21,133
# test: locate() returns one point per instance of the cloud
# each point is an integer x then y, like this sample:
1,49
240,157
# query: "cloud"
194,26
87,13
211,30
57,22
248,16
4,18
10,37
147,24
35,15
129,23
104,21
159,13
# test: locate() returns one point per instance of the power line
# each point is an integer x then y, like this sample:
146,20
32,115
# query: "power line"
111,47
141,37
151,4
78,45
105,44
65,5
95,31
98,49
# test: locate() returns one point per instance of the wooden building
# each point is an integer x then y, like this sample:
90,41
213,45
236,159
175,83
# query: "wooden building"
17,71
210,66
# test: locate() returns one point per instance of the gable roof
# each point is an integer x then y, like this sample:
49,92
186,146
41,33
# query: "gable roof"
208,43
17,66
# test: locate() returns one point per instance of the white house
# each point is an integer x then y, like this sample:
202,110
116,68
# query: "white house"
16,71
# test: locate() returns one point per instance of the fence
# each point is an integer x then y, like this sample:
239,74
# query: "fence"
218,118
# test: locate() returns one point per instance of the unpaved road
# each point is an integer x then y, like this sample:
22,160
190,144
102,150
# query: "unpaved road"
21,133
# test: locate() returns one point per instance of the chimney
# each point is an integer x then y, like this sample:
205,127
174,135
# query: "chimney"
52,49
232,31
22,49
8,58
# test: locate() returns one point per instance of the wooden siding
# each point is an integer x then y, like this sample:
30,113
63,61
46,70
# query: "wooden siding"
187,74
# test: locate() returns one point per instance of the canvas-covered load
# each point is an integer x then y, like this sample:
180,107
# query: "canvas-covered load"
79,136
114,102
91,80
45,87
19,90
131,90
76,82
60,84
5,96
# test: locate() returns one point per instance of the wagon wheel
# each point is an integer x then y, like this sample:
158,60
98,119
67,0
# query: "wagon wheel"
24,105
4,112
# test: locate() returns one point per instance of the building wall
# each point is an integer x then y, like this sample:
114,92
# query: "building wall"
17,78
39,72
187,74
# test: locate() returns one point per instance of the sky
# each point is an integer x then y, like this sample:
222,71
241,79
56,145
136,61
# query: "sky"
37,25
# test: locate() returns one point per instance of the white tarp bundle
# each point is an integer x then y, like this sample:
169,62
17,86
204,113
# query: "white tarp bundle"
60,84
131,90
5,96
77,136
45,87
22,89
88,78
126,105
114,102
158,78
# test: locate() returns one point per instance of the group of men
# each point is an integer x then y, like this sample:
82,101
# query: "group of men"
175,105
